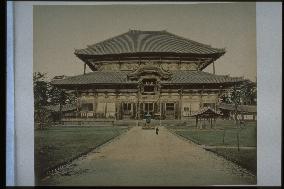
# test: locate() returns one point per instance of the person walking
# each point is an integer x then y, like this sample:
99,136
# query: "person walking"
157,130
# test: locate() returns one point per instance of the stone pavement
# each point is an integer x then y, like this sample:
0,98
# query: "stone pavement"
142,158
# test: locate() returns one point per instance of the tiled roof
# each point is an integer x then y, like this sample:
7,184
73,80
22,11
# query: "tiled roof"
206,110
136,41
120,77
96,77
200,77
243,108
66,107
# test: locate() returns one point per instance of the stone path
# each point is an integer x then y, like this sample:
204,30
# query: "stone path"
142,158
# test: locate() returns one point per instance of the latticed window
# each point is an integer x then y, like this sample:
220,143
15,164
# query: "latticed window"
149,85
127,107
87,107
186,109
170,106
149,107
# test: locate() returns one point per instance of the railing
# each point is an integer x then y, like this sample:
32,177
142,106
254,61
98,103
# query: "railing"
87,114
91,114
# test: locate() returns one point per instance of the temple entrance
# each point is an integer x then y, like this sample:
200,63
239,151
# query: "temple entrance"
128,110
170,110
148,107
157,110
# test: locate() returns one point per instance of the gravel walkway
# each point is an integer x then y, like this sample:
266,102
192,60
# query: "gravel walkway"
142,158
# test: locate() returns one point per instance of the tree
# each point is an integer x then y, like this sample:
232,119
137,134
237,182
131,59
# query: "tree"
57,96
47,94
41,114
249,93
226,98
60,97
40,89
243,94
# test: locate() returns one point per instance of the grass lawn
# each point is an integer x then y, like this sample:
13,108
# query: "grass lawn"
224,129
227,130
56,145
245,157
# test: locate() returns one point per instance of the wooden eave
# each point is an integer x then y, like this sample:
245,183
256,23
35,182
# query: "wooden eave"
149,56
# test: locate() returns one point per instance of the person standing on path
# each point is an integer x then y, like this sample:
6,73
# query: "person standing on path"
157,131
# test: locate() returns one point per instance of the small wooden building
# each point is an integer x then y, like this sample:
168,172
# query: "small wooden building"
206,114
244,112
140,72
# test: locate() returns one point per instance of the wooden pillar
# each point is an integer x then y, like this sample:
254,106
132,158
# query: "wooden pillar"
201,98
176,112
180,104
165,104
160,111
121,110
219,96
133,113
118,110
84,68
137,110
236,109
77,103
116,104
60,106
119,63
60,112
94,103
105,109
139,106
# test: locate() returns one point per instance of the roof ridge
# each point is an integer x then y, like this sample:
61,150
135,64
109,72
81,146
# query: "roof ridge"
131,30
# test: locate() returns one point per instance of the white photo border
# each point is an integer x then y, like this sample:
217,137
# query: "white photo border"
20,130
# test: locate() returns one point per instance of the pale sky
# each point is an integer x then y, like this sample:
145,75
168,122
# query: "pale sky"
59,30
